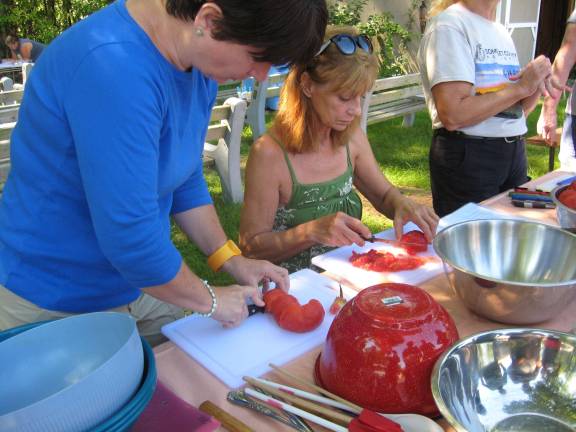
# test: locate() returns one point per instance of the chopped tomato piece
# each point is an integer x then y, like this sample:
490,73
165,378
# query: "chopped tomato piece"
290,315
415,242
337,304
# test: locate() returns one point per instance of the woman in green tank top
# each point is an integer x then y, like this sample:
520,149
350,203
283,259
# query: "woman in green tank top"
300,177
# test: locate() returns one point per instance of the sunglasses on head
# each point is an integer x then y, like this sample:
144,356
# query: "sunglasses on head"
347,44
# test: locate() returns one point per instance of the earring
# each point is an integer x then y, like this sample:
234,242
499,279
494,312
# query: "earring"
199,31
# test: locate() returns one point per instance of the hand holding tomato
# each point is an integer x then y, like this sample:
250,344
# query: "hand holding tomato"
406,210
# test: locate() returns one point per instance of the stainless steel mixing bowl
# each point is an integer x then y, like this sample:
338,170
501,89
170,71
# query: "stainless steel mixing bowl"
508,380
565,215
510,271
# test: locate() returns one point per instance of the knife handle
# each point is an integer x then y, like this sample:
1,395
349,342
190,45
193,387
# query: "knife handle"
252,309
227,420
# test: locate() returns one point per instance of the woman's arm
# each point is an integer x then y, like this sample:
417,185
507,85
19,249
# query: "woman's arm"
188,291
458,107
261,201
26,50
386,198
264,172
202,226
563,63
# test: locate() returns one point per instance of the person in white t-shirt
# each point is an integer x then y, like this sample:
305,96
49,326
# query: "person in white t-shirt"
547,123
477,96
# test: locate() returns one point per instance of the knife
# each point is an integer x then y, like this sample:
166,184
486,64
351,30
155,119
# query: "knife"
253,309
392,242
241,399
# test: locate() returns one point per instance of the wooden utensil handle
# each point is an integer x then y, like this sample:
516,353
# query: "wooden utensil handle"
356,408
227,420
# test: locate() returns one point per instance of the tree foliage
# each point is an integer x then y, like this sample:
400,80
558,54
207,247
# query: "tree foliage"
43,20
391,37
346,12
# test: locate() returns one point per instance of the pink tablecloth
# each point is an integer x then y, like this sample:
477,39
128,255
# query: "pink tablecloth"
194,384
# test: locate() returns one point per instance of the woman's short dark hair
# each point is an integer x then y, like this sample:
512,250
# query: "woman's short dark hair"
282,31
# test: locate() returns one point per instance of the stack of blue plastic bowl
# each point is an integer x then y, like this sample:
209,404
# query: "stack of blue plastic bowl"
126,416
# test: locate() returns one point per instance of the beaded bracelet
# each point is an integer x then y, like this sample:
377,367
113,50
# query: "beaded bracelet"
214,301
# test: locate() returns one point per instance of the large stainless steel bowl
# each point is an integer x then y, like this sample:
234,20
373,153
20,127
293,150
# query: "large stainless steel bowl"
565,215
508,380
510,271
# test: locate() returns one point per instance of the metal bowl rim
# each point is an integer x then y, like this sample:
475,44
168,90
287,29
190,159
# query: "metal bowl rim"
496,280
469,340
558,203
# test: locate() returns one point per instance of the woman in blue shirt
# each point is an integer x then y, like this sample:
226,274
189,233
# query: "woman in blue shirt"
108,147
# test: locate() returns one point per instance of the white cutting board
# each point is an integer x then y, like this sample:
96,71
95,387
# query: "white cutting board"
231,354
337,262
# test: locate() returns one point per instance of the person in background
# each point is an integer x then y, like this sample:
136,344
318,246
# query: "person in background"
548,122
24,49
108,147
477,97
299,196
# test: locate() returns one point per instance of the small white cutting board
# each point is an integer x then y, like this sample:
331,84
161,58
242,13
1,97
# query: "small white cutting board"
337,262
247,350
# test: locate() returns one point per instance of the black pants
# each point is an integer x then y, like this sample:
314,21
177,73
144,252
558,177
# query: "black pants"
467,169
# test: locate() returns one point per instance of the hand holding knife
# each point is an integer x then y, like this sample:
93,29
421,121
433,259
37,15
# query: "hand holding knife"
252,308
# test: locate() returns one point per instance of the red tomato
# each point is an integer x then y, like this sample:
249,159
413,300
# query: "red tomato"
417,240
271,296
337,304
291,315
572,185
568,198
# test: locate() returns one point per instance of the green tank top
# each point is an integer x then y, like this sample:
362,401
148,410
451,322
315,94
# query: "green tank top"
312,201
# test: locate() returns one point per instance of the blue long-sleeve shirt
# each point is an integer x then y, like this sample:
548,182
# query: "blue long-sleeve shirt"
108,144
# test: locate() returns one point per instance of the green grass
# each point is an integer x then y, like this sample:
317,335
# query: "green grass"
402,154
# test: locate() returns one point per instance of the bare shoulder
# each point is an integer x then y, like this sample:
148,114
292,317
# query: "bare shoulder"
267,159
358,143
266,150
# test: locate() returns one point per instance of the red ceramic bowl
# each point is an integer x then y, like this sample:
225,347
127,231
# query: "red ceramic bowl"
382,346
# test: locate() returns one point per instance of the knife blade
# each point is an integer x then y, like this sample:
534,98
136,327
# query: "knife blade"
391,242
240,398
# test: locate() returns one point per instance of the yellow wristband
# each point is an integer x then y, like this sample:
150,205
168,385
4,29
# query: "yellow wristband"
223,254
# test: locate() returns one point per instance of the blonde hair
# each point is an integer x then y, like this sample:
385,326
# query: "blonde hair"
438,6
297,124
